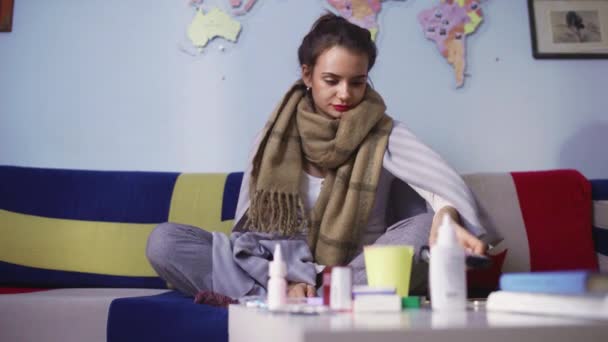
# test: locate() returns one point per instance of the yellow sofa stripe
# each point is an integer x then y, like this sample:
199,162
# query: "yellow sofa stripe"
73,245
197,201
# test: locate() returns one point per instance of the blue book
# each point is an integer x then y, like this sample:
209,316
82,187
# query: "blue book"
557,282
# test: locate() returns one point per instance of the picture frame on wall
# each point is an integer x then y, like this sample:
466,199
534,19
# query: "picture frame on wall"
569,29
6,15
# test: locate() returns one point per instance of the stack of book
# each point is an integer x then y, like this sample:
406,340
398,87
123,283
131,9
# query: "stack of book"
375,299
569,293
381,299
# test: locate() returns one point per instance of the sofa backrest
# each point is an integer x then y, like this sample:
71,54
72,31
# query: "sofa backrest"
77,228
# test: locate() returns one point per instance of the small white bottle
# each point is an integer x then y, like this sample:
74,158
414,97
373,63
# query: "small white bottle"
277,285
447,272
341,292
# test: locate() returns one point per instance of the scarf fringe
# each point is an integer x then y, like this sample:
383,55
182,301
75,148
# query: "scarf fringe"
276,212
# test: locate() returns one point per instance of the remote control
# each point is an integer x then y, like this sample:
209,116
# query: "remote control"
472,260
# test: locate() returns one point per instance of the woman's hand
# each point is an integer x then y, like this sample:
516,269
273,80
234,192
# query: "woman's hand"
467,240
300,290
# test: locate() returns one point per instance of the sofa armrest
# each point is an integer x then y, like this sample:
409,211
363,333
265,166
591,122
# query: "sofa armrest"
544,217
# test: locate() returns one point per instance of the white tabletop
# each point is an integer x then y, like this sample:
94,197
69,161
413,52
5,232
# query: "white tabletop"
250,324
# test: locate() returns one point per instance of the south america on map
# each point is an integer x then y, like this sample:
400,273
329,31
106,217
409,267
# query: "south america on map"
448,25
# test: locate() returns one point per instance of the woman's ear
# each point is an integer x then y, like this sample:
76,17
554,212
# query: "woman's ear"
307,75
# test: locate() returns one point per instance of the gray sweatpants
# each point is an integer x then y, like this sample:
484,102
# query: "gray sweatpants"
182,254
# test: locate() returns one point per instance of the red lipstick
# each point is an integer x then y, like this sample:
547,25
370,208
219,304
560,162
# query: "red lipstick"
341,108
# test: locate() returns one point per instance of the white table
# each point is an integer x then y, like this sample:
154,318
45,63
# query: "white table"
250,324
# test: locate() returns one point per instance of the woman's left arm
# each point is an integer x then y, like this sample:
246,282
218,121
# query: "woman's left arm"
466,239
439,184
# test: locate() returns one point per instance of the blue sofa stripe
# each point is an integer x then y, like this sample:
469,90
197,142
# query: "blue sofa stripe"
600,238
231,195
599,189
168,316
111,196
38,277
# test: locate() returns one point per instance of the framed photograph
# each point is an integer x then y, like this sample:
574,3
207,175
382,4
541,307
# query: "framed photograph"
6,15
569,28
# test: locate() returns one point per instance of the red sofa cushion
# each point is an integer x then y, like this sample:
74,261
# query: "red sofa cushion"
556,207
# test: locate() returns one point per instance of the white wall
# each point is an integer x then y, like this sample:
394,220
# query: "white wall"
104,85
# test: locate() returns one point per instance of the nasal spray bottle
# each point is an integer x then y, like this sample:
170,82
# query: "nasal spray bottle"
447,275
277,285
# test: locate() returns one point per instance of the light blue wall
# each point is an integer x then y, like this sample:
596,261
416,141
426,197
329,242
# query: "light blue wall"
104,85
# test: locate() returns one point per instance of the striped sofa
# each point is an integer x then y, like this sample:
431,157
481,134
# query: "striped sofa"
73,267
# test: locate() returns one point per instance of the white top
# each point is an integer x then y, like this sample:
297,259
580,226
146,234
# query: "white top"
310,189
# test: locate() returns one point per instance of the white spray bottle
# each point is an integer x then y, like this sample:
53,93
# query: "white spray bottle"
277,285
447,272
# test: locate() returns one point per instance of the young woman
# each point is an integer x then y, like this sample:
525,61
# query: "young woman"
319,182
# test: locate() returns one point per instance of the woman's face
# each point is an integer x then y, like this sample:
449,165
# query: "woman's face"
337,81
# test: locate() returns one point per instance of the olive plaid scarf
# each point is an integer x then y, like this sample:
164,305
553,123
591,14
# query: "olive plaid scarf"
351,149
